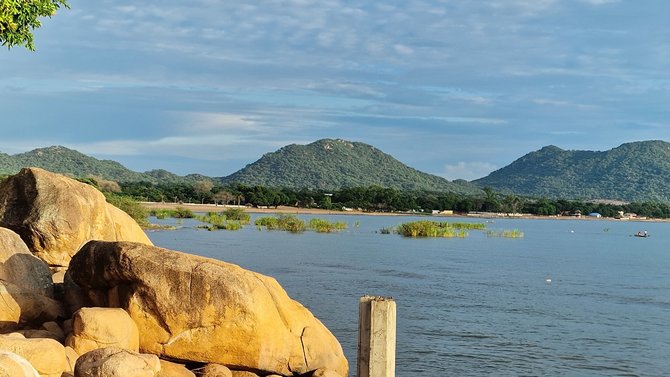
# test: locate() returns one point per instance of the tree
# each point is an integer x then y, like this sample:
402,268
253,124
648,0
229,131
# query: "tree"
223,197
204,189
18,19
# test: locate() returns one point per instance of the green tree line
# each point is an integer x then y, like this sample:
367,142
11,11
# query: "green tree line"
371,198
381,199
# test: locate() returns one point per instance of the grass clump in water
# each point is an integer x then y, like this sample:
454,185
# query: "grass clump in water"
177,213
220,221
325,226
467,226
515,233
386,230
425,228
287,223
237,214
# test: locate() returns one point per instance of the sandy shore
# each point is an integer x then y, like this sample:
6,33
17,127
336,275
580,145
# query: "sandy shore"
316,211
281,209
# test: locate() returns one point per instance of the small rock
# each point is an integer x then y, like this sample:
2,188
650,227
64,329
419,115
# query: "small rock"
214,370
54,328
169,369
241,373
94,328
116,362
325,373
71,356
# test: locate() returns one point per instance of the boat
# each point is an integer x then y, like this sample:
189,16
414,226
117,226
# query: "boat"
642,233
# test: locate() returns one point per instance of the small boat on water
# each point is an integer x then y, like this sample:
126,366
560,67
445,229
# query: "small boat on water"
642,233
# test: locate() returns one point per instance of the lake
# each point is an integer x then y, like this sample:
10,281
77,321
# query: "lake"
571,298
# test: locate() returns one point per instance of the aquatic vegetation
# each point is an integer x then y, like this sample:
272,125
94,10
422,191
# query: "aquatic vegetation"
467,226
160,213
237,214
425,228
325,226
177,213
515,233
386,230
220,221
287,223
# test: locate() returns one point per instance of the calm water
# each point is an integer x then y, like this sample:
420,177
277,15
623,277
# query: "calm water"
477,306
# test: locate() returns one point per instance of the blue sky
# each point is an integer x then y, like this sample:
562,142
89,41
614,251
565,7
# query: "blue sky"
455,88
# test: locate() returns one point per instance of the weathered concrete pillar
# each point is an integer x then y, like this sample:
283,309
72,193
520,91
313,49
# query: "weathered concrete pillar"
376,337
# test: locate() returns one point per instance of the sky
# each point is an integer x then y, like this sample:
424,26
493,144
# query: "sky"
456,88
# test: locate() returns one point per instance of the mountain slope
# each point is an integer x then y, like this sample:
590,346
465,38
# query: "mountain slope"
66,161
632,171
333,164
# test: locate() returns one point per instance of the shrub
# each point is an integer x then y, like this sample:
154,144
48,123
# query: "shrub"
177,213
183,213
161,213
237,214
130,206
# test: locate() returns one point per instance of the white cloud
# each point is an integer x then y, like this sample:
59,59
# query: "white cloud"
218,123
600,2
562,103
467,170
402,49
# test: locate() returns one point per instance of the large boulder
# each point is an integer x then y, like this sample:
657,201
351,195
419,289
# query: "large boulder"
198,309
20,267
94,328
116,362
47,356
20,307
55,215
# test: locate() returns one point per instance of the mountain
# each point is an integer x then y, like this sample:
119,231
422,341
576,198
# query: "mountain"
67,161
70,162
325,164
638,171
334,164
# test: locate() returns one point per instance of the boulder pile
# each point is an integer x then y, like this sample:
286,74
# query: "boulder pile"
125,308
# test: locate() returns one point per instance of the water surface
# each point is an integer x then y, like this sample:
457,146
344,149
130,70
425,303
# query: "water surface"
477,306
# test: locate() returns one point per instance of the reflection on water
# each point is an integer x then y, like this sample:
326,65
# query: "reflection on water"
477,306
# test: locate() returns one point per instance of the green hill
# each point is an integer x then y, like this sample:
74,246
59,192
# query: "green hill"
638,171
334,164
66,161
70,162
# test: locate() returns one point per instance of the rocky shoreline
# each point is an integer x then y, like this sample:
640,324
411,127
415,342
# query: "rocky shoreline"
85,294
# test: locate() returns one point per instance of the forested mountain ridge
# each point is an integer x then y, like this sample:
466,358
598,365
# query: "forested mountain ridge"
67,161
325,164
637,171
331,164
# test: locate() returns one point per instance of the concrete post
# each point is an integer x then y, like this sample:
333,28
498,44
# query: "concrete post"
376,337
